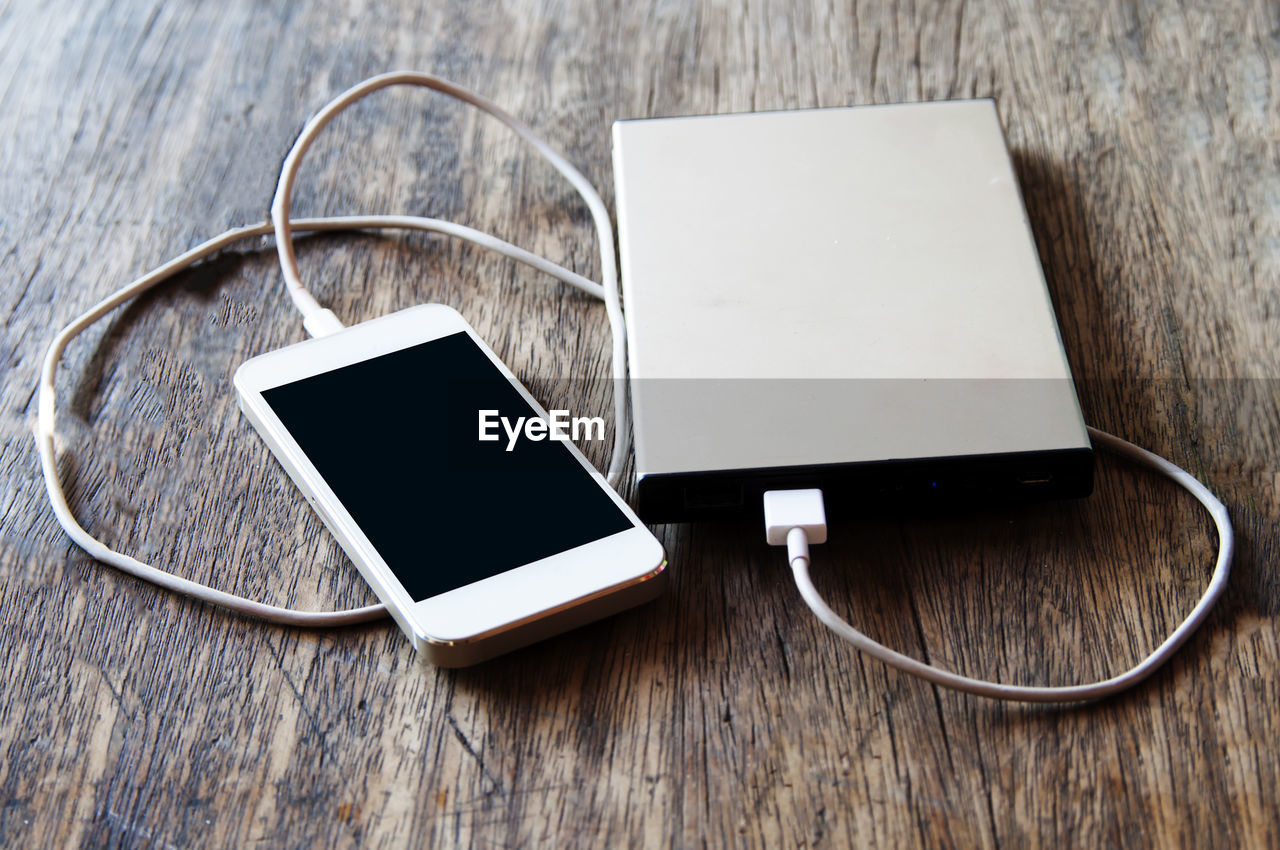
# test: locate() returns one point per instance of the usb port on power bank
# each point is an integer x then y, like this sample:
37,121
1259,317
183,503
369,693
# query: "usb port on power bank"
1035,480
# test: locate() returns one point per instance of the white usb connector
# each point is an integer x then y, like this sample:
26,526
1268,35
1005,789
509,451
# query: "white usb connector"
801,511
322,322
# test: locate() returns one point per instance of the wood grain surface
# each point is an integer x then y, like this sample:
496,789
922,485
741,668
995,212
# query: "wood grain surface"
1146,138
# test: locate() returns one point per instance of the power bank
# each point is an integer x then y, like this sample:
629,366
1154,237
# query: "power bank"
843,298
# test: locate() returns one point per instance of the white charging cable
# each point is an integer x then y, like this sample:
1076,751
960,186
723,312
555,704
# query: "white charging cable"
791,521
798,518
320,321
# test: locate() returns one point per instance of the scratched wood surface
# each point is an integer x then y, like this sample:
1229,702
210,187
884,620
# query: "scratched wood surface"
1146,138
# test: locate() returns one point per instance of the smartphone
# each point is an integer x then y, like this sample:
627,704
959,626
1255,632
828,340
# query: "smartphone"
478,538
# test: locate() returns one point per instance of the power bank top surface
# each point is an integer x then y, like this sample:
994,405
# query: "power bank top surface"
834,286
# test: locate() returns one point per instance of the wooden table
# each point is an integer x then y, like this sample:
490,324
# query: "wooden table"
1146,139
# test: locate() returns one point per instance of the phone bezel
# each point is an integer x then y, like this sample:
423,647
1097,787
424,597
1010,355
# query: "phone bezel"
473,611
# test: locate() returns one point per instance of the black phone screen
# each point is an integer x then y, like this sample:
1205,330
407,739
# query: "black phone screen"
397,439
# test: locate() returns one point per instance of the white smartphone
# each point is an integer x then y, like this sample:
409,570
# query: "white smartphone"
476,546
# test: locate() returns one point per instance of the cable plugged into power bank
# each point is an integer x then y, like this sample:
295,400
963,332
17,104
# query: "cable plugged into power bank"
797,518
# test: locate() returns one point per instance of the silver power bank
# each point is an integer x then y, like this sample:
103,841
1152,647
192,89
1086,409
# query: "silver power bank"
845,298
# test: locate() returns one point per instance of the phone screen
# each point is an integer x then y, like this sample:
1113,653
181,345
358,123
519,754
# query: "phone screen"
397,439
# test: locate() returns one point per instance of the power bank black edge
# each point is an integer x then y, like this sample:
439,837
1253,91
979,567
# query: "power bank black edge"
916,484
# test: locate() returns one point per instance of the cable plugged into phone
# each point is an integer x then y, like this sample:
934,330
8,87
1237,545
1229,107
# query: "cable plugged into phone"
797,518
322,322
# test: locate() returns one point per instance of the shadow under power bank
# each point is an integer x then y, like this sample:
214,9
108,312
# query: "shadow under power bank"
842,298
